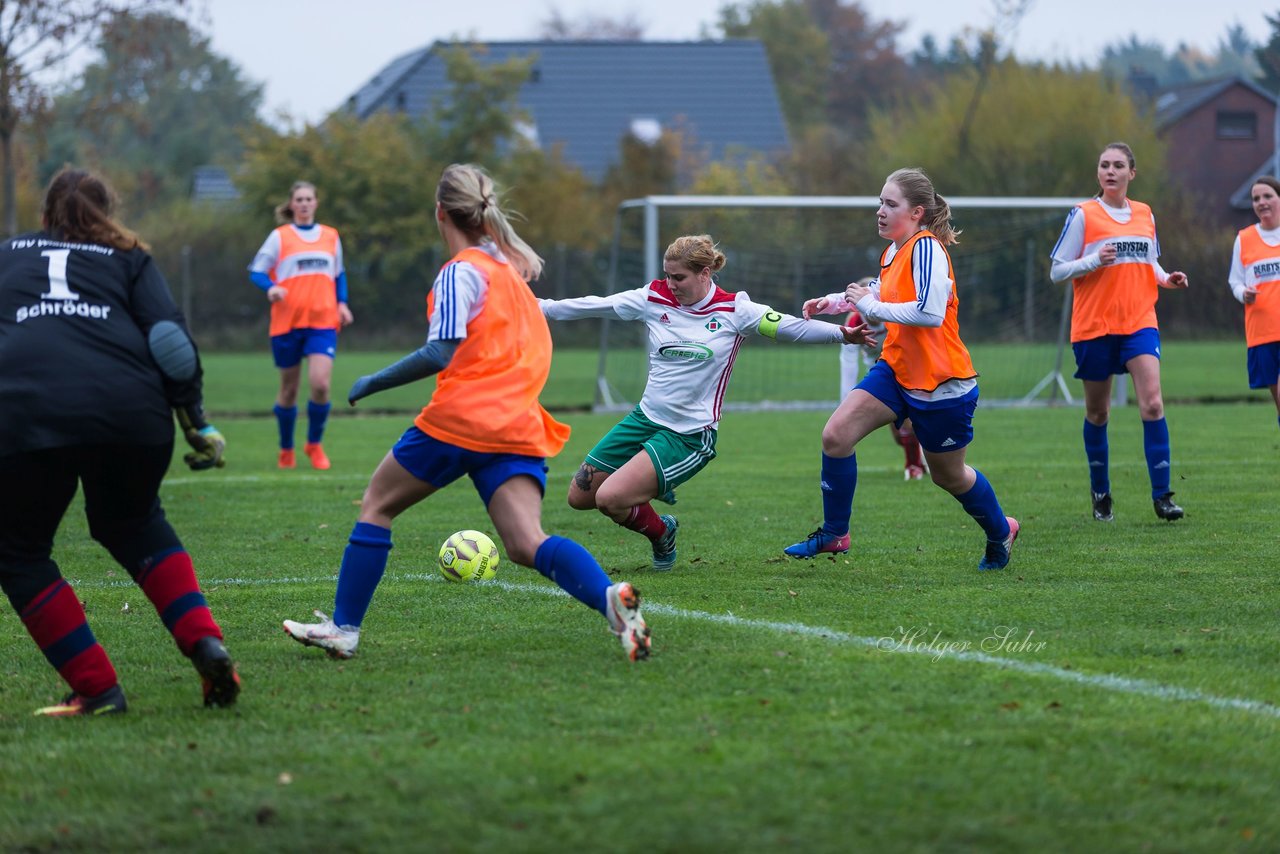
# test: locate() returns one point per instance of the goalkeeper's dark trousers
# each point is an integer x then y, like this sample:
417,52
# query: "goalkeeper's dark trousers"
122,504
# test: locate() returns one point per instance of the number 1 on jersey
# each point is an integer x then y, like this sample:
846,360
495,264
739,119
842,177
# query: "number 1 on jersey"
58,288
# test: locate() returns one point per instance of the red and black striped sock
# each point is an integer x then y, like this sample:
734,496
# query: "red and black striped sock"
56,621
169,580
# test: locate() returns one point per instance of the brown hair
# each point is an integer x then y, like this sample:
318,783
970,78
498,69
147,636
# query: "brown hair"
1125,149
1269,181
695,251
468,196
78,206
284,210
918,191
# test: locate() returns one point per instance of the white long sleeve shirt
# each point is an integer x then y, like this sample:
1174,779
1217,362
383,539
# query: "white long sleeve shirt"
692,348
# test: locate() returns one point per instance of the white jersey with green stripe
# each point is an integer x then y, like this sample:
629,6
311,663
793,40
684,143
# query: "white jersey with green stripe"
692,348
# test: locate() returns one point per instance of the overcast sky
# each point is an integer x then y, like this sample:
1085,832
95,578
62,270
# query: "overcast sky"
310,62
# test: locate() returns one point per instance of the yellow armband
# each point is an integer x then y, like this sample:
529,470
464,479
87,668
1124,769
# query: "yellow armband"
768,326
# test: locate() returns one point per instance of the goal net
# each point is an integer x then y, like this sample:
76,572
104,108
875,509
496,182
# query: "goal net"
783,250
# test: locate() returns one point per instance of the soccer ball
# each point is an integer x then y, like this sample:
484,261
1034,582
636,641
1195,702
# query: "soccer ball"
468,556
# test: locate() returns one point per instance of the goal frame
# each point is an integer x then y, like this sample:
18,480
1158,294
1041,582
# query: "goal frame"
607,401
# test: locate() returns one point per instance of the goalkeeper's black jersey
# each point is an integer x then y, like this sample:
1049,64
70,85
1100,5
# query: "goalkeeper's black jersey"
75,368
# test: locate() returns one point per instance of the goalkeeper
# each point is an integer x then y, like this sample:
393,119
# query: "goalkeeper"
95,359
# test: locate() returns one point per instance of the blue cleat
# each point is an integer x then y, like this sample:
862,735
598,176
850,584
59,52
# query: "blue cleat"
664,548
668,497
817,543
997,556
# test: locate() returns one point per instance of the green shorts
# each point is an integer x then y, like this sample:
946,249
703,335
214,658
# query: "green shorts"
676,456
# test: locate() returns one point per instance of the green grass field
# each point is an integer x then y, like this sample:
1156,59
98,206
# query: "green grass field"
1116,689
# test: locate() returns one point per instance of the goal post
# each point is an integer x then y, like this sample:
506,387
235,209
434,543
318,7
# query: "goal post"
784,248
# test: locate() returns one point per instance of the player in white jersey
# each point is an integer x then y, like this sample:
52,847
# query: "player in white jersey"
695,332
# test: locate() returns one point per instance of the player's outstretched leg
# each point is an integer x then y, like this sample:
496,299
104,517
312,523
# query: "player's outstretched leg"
574,569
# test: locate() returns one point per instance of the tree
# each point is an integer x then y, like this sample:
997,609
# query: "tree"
592,28
1026,137
798,52
1268,57
156,104
35,36
481,113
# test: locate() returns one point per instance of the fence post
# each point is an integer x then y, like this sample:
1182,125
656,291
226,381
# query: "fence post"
186,284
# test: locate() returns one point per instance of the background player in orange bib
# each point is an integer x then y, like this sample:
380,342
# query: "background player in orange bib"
1255,281
300,268
1109,251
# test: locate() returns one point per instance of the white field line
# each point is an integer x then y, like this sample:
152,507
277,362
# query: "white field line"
1105,681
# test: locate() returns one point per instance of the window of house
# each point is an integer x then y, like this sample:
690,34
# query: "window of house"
1237,125
401,102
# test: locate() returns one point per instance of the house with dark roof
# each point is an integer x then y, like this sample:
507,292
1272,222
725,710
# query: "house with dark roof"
586,96
1221,137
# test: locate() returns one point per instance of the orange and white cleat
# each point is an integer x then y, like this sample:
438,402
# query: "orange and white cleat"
316,454
287,459
622,607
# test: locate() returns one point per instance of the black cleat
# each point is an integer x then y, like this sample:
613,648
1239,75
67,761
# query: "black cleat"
1166,509
214,664
1102,506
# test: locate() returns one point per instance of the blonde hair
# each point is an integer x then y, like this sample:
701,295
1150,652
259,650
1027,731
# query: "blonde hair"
918,191
78,207
695,251
284,211
468,195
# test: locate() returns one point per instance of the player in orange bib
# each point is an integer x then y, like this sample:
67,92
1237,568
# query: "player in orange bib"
1109,251
300,268
1255,281
924,372
490,349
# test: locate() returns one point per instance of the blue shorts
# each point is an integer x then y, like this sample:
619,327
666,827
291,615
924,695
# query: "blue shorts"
289,348
440,464
941,426
1264,365
1099,358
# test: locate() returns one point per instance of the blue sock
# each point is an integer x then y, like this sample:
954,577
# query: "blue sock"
839,480
317,415
980,503
363,563
1096,450
574,569
286,417
1155,442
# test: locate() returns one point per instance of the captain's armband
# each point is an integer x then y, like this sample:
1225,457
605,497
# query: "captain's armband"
768,326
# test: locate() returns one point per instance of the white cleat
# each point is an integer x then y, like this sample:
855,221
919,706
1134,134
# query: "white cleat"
336,641
623,610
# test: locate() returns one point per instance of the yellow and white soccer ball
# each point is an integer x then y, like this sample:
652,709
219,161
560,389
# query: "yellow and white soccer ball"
468,556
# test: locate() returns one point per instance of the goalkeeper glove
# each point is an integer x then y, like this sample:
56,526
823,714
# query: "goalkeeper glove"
207,444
